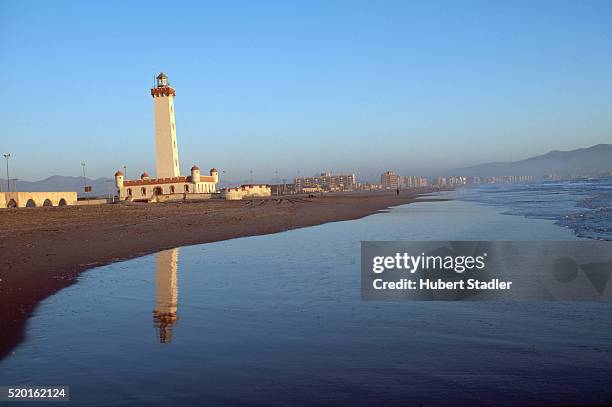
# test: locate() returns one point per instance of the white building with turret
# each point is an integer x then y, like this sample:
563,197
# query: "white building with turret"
168,182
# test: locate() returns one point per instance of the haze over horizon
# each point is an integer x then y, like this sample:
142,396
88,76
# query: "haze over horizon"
417,88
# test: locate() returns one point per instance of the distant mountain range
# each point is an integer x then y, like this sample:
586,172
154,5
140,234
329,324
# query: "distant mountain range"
595,160
100,187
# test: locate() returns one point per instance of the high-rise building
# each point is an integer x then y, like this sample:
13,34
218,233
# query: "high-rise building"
390,180
327,182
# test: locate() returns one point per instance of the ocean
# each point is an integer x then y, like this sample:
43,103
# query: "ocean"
278,320
583,206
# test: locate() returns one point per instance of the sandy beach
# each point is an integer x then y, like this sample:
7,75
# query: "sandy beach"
43,249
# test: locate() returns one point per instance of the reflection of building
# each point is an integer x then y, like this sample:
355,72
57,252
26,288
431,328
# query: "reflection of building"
168,180
327,182
246,191
166,295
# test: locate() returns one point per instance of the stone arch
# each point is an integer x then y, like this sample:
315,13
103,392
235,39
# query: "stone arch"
62,202
47,202
157,191
11,204
30,203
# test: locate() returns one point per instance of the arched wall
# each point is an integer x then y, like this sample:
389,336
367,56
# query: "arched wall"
36,199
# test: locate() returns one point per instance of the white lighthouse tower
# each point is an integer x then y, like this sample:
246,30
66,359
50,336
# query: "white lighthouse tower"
165,129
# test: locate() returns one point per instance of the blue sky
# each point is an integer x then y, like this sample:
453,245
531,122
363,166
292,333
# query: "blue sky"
345,86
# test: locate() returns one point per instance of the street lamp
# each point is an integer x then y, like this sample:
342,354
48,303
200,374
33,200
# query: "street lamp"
109,182
125,172
84,179
8,178
277,182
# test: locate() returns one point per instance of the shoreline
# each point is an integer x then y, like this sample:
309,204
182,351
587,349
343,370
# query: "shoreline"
43,250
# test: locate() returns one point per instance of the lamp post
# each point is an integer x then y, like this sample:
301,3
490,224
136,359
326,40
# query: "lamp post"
84,179
15,184
111,198
125,172
277,182
8,178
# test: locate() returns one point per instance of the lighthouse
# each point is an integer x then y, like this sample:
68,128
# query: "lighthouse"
168,184
166,149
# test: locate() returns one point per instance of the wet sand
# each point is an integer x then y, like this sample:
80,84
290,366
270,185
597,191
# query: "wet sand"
43,249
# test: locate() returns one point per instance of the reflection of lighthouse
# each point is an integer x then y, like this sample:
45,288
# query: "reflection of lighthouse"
166,301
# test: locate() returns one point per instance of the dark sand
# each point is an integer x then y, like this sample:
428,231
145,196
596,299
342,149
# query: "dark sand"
43,249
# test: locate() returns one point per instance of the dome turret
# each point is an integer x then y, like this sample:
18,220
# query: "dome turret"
195,173
119,181
215,174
